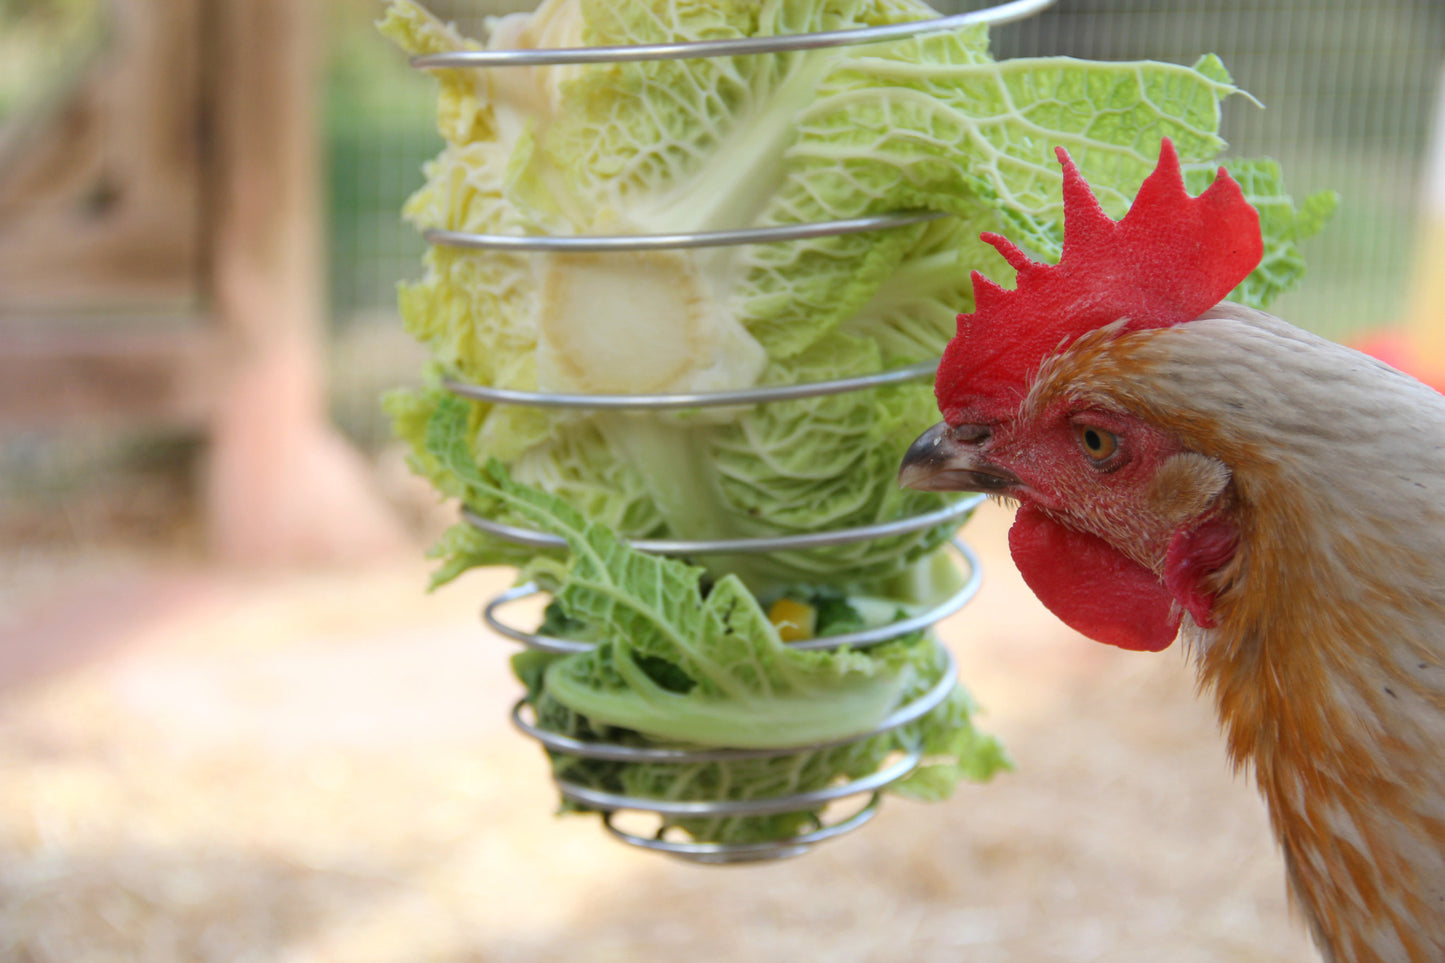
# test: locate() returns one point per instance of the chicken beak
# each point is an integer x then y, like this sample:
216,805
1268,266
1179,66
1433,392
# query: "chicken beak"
949,458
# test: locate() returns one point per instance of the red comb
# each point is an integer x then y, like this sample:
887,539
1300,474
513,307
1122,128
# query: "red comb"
1171,257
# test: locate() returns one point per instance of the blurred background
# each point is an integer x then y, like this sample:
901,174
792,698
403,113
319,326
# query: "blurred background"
233,726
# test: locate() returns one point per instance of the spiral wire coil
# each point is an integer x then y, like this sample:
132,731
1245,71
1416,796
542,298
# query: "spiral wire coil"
868,787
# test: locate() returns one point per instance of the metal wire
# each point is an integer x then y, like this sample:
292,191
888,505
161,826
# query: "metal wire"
744,46
701,808
855,640
710,399
712,852
1003,13
728,853
742,546
911,711
592,243
871,784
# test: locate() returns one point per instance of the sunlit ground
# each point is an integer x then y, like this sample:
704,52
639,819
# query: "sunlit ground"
319,768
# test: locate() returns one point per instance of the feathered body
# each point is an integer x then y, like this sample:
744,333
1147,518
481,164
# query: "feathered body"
1327,656
1279,501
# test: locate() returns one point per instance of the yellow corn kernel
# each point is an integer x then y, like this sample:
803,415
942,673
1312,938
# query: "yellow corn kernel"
794,620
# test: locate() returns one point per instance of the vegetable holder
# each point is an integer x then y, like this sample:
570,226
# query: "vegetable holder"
865,791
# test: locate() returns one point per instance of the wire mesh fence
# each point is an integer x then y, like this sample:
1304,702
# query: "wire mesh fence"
1345,92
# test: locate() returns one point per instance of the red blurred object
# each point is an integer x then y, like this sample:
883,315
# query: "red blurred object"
1398,350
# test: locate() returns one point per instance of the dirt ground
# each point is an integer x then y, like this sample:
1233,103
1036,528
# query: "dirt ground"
202,766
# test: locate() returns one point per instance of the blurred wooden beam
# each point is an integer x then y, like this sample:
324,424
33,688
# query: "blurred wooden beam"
163,376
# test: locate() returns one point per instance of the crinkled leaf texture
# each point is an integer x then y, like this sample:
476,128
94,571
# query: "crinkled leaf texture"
730,679
680,661
931,123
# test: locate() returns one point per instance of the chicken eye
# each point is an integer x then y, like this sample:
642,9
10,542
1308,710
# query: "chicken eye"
1097,443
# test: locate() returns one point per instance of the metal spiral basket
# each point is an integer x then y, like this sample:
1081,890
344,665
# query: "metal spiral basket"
864,793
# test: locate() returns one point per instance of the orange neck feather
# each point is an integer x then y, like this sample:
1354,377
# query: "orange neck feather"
1327,662
1312,691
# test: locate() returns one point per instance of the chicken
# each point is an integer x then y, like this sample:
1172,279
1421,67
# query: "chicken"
1189,467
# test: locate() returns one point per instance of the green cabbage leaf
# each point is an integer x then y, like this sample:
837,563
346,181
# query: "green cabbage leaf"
683,652
682,660
931,124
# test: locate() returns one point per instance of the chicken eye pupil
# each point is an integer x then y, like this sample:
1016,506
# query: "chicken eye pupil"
1098,444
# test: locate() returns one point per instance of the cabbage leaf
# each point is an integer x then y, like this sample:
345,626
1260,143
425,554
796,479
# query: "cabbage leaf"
931,123
681,660
683,653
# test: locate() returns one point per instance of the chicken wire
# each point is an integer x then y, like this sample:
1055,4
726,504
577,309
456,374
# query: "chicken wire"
1347,90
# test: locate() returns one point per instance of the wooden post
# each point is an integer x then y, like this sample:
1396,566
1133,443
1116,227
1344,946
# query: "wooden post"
282,485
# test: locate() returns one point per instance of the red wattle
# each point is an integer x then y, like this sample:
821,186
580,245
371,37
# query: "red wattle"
1091,586
1192,557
